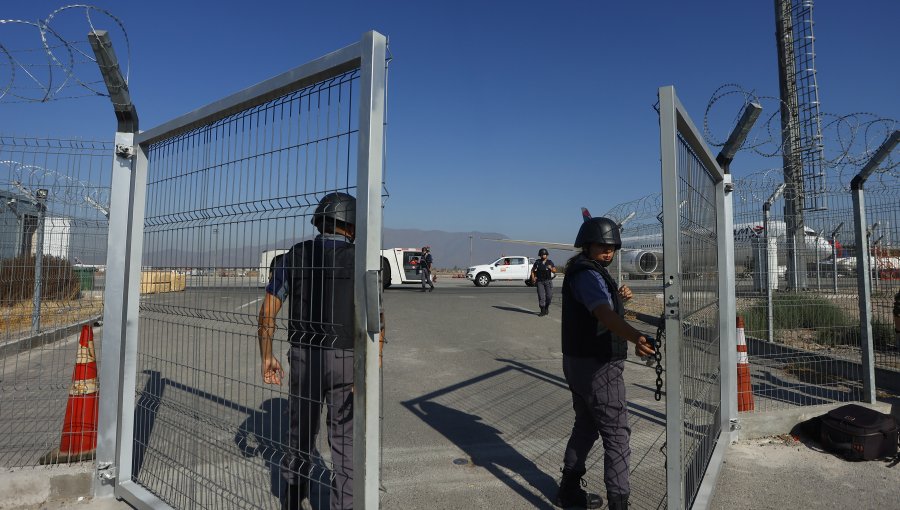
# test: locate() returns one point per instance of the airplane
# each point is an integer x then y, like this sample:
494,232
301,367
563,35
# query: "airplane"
643,255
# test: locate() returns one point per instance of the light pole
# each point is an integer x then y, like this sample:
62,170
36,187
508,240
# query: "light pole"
834,235
41,203
470,252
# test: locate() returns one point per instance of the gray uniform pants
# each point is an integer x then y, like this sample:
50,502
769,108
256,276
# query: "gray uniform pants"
545,292
321,376
598,397
426,277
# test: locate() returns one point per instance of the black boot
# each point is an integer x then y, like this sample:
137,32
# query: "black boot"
617,501
547,310
294,497
572,495
543,313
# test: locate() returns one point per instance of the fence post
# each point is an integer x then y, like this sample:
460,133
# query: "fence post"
121,294
367,369
863,281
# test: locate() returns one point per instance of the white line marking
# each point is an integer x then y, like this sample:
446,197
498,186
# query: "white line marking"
248,304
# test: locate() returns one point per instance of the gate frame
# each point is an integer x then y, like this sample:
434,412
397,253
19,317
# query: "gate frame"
674,120
128,202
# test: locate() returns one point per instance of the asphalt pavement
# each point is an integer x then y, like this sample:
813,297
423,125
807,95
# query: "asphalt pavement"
476,412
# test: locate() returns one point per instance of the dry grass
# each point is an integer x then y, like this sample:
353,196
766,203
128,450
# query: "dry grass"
15,320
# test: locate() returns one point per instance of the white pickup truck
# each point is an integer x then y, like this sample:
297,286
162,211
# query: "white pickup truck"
510,268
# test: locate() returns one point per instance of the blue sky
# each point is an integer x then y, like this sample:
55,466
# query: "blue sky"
503,117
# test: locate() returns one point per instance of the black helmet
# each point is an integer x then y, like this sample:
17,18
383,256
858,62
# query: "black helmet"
336,206
598,230
542,252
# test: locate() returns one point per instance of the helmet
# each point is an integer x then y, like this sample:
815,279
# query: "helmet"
336,206
598,230
542,252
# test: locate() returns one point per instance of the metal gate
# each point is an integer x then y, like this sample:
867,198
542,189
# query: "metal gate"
211,193
699,307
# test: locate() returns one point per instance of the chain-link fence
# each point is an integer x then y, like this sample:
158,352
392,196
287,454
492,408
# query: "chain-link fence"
53,237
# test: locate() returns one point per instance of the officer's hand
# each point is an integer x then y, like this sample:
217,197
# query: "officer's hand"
625,292
643,347
271,371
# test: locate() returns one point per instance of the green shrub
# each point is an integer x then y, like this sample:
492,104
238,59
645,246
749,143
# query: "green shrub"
832,325
793,311
58,280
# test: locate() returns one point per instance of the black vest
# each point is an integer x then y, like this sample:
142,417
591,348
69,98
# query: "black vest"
579,326
321,293
542,271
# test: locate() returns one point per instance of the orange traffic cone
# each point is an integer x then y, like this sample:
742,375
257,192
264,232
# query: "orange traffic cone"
744,388
79,434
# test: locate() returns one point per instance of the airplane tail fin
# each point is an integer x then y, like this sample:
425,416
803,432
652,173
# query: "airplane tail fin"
585,214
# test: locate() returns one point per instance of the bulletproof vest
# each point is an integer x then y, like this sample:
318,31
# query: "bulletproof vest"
321,293
542,271
580,337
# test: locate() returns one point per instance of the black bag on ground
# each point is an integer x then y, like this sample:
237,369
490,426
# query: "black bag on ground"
859,433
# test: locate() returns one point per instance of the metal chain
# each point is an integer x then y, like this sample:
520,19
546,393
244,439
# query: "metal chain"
657,354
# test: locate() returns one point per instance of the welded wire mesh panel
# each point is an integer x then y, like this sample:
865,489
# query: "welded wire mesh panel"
882,199
226,203
54,196
700,390
804,340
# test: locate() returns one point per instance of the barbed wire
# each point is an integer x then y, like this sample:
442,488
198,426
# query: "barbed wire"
42,73
61,189
849,140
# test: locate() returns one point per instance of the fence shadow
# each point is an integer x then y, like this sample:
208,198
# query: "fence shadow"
480,435
263,433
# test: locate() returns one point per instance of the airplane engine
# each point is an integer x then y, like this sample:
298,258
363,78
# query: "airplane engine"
639,262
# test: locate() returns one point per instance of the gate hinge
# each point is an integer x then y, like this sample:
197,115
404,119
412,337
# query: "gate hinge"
107,471
124,151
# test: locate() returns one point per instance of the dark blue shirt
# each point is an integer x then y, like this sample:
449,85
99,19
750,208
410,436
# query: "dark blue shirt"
590,290
280,286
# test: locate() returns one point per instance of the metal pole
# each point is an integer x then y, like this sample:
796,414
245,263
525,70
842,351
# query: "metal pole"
834,236
862,264
818,272
671,296
122,292
41,203
470,252
864,288
770,306
834,263
367,370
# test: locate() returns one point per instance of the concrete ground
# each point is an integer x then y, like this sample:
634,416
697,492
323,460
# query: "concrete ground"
475,415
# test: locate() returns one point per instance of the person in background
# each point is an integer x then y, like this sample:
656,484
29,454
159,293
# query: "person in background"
426,262
542,277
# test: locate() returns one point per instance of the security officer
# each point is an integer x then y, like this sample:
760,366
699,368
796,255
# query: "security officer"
317,275
594,346
542,277
425,264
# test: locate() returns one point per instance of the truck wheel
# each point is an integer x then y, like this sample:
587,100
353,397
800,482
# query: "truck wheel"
482,279
385,273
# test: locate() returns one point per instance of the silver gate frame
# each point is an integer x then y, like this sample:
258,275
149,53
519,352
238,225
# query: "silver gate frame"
128,198
674,120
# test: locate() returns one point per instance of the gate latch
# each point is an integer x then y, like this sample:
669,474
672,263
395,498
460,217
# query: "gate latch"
106,471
